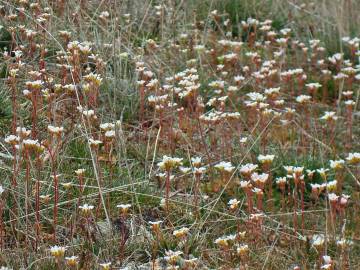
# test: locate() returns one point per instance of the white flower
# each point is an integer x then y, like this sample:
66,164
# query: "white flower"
349,103
86,208
88,113
239,79
224,240
224,166
318,240
199,48
191,262
333,197
266,158
104,14
34,84
30,142
155,224
199,171
272,91
57,251
289,169
281,180
110,134
26,93
80,171
184,170
181,232
329,116
55,130
107,126
242,249
124,207
245,184
313,86
257,191
254,96
310,173
340,76
331,185
105,266
317,187
344,243
232,88
344,199
298,170
33,144
260,178
162,202
12,139
337,164
335,58
168,163
172,256
303,99
256,217
248,168
72,261
322,172
327,259
353,158
243,139
196,161
233,203
93,142
70,87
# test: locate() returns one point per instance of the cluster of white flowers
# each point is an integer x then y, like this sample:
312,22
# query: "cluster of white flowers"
224,166
168,163
225,241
